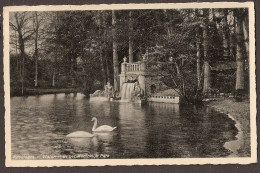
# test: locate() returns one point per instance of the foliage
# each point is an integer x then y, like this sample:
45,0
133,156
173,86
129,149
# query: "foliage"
75,47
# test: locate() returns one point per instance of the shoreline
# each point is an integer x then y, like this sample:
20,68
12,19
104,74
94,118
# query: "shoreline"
38,91
239,112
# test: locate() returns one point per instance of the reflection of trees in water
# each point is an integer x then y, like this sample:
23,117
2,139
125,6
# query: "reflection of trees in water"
106,142
165,107
106,113
159,121
65,113
62,113
205,132
152,130
190,127
186,131
74,146
132,130
32,125
30,134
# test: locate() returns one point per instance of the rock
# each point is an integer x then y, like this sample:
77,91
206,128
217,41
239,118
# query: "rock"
97,93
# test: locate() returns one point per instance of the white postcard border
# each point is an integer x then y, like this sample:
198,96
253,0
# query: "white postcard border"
114,162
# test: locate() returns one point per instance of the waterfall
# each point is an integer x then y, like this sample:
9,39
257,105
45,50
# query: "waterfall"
127,90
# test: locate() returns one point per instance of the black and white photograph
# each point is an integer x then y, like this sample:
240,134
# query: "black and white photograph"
130,84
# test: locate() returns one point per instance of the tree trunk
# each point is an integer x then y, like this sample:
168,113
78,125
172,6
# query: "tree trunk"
53,78
178,71
22,50
168,26
101,46
23,75
108,72
115,56
17,57
231,45
72,74
207,77
105,67
55,64
245,34
225,34
101,58
239,53
17,66
105,72
105,58
198,57
20,67
36,61
240,75
131,57
21,45
36,72
36,30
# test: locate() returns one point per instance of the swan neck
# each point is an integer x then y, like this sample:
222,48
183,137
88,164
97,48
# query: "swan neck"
95,125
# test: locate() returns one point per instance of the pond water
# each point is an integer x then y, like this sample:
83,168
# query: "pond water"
39,125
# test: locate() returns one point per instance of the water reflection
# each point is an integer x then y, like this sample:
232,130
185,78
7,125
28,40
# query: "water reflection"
73,146
39,125
166,118
132,129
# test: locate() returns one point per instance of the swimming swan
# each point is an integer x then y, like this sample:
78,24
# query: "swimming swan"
80,134
104,128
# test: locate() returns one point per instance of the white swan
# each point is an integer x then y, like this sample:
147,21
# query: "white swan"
104,128
80,134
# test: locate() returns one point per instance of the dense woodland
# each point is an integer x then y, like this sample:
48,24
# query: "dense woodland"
207,49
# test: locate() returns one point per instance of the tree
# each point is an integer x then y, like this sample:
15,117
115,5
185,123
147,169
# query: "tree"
198,54
104,42
115,55
245,24
130,32
50,47
101,43
207,84
55,59
175,41
36,28
20,23
239,51
225,33
78,45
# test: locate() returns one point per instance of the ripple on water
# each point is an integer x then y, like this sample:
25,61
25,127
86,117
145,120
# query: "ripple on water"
39,126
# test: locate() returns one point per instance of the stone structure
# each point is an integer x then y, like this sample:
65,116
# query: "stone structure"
138,84
103,95
148,82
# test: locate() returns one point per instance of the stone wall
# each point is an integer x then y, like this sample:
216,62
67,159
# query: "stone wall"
153,84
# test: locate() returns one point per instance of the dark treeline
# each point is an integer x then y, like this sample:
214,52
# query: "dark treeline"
207,49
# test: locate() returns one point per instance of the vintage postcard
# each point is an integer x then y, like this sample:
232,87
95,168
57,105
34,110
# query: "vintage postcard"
130,84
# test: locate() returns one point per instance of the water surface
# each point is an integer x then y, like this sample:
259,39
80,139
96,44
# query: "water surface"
39,125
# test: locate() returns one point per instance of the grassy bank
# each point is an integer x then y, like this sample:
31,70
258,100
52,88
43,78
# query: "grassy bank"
39,91
240,111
